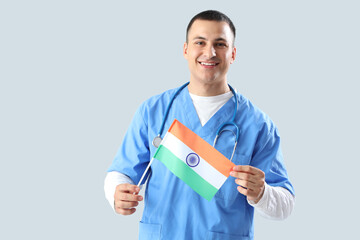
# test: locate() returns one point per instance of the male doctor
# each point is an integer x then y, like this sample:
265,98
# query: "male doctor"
259,180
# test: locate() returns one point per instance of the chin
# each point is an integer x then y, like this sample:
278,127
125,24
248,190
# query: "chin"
212,79
209,79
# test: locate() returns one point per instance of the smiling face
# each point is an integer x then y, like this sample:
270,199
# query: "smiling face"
209,51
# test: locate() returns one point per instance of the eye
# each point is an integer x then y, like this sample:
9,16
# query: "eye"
200,43
220,44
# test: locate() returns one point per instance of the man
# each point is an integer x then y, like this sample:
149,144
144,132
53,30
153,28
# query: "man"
259,179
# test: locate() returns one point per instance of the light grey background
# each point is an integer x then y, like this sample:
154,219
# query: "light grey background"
73,73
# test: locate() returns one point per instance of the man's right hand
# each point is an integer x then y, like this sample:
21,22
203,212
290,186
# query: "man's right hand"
125,200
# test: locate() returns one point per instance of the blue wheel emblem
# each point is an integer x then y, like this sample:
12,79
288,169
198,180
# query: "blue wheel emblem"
192,160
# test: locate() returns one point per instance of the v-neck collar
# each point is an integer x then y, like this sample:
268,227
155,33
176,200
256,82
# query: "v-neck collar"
224,114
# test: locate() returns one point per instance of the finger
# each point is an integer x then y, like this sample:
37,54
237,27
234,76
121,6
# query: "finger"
125,211
243,191
252,182
125,204
245,176
129,197
252,195
246,184
249,169
125,187
243,168
248,192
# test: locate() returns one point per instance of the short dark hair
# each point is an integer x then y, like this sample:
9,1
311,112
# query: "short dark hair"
211,15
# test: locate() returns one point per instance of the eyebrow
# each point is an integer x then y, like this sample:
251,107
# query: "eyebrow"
217,39
198,37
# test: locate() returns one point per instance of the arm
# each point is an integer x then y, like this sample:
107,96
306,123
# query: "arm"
276,203
128,167
265,182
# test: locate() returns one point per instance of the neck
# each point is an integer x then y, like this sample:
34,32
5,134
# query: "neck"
208,89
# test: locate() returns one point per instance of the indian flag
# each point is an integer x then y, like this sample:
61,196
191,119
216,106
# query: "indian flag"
193,160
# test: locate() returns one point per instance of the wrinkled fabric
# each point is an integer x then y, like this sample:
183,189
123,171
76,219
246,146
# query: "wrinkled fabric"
172,209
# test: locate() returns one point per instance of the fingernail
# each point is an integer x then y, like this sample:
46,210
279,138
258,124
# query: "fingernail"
140,198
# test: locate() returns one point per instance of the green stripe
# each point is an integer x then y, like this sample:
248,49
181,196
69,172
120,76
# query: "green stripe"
185,173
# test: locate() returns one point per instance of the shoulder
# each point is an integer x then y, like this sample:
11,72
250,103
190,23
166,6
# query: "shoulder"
254,114
159,98
157,102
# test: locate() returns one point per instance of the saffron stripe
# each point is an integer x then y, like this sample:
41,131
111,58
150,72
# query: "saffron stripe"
202,148
185,173
204,169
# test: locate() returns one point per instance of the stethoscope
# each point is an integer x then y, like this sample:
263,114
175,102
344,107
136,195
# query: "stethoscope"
157,140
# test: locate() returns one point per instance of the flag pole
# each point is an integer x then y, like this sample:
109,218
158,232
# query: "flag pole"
147,168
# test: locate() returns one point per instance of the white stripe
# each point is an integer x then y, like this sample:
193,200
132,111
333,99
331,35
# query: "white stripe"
204,169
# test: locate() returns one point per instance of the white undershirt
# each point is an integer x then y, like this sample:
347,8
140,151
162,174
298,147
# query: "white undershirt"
206,107
276,202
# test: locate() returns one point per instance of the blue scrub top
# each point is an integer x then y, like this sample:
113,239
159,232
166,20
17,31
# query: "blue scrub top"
172,209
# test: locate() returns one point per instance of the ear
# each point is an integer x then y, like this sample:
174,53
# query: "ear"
233,55
185,48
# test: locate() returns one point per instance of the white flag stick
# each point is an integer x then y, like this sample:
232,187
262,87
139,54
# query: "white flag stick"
147,168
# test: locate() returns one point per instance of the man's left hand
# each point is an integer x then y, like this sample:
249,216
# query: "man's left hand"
251,181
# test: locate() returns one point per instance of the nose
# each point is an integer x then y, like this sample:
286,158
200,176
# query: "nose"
210,51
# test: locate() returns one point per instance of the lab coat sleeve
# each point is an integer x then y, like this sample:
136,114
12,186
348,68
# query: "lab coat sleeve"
133,155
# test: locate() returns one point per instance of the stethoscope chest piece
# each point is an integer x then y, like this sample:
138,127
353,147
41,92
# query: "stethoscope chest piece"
156,141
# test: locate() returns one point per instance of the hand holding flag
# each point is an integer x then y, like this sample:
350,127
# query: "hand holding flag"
251,181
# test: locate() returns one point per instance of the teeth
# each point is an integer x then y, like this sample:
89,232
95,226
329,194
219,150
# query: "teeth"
208,64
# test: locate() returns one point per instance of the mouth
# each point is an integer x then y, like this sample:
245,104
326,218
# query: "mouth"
208,64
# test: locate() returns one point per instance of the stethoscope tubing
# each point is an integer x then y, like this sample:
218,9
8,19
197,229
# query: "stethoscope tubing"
157,140
169,106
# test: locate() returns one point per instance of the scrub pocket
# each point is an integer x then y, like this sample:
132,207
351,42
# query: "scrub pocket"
224,236
228,190
148,231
